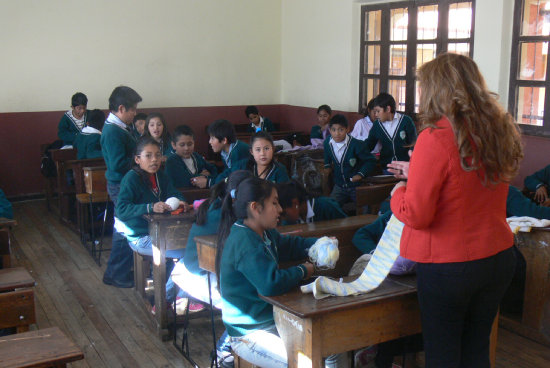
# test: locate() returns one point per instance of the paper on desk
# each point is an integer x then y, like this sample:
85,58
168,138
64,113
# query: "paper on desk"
379,266
525,223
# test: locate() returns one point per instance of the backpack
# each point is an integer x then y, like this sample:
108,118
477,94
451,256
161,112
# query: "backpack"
47,166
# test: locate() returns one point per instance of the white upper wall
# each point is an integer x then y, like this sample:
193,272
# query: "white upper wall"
321,49
173,52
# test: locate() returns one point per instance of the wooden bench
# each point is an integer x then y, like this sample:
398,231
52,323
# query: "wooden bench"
16,299
42,348
372,195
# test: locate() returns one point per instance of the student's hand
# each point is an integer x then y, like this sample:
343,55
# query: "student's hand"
310,268
541,195
398,185
400,169
356,178
199,181
161,207
186,206
205,172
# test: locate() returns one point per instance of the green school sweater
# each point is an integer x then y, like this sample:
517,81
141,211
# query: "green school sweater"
249,267
366,238
6,209
88,145
136,198
179,173
239,152
519,205
118,147
277,174
325,208
67,129
267,126
541,177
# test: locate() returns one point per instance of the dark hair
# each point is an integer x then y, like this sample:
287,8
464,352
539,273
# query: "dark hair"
96,119
289,191
249,190
140,116
165,137
369,107
182,130
141,143
219,191
384,100
324,108
124,96
78,99
251,110
338,119
262,134
221,129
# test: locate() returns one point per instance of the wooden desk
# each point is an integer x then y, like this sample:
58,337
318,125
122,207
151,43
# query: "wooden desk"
193,194
78,167
372,195
167,232
281,134
15,278
5,241
42,348
534,322
64,190
16,299
312,329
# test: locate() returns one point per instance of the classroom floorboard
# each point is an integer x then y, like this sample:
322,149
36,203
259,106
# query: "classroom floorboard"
111,325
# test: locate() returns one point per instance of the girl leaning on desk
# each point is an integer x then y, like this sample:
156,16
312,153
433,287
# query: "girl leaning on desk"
454,209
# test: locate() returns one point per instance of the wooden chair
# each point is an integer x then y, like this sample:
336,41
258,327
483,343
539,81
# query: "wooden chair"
142,270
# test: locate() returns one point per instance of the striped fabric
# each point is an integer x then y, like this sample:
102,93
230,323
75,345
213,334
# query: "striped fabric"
382,260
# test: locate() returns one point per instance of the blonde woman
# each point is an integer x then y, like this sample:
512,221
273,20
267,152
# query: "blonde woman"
454,209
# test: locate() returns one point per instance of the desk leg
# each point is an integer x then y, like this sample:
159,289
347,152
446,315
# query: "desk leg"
159,282
301,339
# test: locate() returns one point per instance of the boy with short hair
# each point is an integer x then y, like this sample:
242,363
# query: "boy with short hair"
74,120
395,132
87,142
348,158
138,128
118,146
363,126
257,122
185,167
223,140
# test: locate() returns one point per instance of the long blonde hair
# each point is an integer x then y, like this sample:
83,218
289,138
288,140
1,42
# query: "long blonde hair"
488,139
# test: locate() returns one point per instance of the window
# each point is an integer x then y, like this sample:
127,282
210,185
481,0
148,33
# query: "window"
529,81
398,37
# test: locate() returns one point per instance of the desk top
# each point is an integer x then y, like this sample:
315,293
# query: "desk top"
39,348
15,277
306,306
6,222
167,217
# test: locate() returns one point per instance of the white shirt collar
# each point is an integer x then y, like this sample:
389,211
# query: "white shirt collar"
310,212
113,119
90,130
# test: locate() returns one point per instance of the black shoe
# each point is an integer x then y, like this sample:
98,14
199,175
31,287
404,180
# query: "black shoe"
119,284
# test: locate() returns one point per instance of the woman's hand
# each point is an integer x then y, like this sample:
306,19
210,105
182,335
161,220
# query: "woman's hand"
400,169
161,207
398,185
541,195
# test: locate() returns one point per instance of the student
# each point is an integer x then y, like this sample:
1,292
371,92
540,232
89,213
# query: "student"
257,122
394,131
138,127
348,159
249,251
298,207
321,131
143,190
262,164
519,205
363,126
73,121
185,167
87,142
155,126
118,146
538,183
6,209
223,140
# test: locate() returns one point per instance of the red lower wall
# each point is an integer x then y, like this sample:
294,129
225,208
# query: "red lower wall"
23,133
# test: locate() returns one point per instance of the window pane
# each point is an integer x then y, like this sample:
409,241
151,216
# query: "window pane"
427,22
532,60
373,21
460,20
399,24
371,88
530,105
424,53
397,90
372,59
536,18
459,48
398,59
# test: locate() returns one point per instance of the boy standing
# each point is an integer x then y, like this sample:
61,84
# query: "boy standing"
118,146
348,158
394,131
224,141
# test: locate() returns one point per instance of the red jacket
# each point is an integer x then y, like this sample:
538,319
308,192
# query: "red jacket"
449,215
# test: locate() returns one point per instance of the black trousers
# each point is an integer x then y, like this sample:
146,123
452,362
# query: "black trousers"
458,303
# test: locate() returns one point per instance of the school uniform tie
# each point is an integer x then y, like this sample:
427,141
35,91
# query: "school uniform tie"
377,269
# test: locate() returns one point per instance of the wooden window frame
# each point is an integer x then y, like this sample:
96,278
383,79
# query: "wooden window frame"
441,41
515,82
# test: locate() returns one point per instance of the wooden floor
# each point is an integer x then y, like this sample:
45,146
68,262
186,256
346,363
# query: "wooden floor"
112,326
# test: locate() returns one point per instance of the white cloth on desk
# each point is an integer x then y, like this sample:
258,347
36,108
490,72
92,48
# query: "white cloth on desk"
525,223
